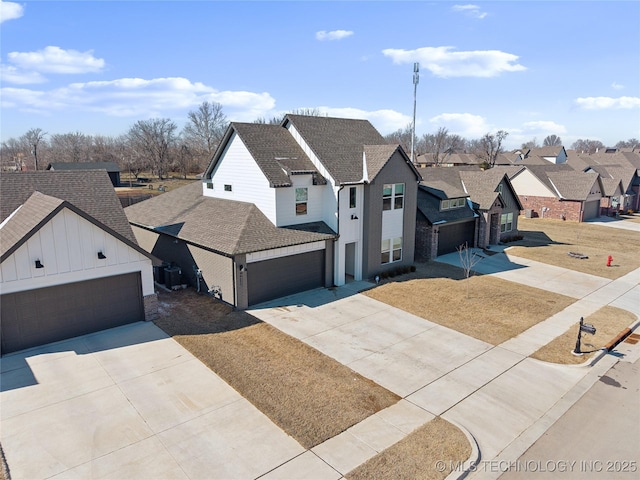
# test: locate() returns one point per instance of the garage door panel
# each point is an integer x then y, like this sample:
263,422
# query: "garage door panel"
284,276
591,209
56,313
450,237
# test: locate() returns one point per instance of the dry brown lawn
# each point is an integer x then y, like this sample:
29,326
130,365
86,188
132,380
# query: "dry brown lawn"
494,311
609,322
306,393
416,456
549,241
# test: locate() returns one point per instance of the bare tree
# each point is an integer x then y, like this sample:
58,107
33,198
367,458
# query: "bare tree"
552,141
468,259
205,129
587,146
631,143
533,143
401,136
70,147
490,146
153,139
33,138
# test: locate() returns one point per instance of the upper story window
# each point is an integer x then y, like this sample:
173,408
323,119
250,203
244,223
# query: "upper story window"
210,185
392,196
352,197
500,188
228,188
452,203
302,195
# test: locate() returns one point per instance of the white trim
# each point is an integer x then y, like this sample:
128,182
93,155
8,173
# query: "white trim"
284,251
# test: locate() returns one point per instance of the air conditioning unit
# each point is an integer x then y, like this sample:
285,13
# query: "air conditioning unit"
528,213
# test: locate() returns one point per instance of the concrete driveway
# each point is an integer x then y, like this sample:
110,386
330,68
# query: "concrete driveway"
130,403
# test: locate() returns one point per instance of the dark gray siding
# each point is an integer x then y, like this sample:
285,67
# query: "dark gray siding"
395,171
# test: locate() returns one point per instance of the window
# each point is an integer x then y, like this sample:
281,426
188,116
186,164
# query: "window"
500,189
391,250
228,188
506,222
352,197
301,201
210,185
393,196
453,203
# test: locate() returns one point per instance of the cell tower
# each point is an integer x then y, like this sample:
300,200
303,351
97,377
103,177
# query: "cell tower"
416,80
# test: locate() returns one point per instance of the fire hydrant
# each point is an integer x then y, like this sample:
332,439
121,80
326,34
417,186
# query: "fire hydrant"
609,260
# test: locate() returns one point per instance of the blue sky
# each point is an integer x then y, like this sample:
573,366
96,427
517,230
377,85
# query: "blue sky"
530,68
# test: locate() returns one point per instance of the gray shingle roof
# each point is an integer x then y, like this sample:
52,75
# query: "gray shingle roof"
25,219
445,179
573,185
429,206
337,142
276,152
108,166
90,191
225,226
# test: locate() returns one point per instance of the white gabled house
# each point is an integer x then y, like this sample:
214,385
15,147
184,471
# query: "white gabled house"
335,171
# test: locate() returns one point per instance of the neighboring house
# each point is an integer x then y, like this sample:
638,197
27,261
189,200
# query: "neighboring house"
617,165
112,168
331,201
552,154
449,158
445,219
465,205
558,191
498,203
70,264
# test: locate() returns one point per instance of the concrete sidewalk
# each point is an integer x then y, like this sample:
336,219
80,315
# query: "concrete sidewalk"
616,223
496,392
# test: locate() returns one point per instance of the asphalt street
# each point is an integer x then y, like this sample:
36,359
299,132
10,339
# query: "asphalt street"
598,437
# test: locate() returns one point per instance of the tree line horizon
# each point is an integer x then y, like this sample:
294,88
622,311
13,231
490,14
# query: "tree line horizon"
156,145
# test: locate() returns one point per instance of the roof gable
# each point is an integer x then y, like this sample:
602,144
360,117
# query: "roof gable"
273,149
36,212
337,143
90,191
108,166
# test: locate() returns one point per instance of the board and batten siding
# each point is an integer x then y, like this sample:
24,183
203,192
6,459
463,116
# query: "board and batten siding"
68,246
286,202
330,192
248,184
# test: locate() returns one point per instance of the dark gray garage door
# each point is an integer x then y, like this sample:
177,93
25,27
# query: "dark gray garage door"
275,278
591,209
454,235
55,313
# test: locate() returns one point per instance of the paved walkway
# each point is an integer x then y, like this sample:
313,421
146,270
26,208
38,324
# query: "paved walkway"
130,403
503,398
616,223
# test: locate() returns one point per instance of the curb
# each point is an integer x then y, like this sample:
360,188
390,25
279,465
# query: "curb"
621,336
472,462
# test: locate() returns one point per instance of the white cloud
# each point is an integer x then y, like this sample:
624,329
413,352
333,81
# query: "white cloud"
617,86
11,74
137,97
470,10
10,11
445,63
543,127
54,59
607,103
466,125
333,35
